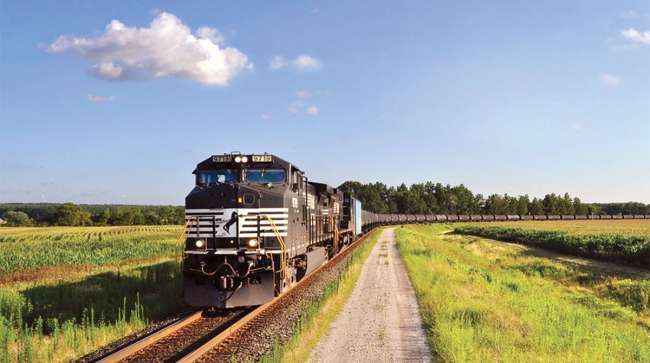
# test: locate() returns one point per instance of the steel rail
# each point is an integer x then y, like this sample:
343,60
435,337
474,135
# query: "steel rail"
150,339
225,334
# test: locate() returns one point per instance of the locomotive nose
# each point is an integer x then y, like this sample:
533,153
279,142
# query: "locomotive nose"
213,196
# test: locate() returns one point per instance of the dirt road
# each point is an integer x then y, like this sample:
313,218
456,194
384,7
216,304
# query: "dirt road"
380,321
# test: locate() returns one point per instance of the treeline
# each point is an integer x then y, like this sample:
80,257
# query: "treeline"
436,198
70,214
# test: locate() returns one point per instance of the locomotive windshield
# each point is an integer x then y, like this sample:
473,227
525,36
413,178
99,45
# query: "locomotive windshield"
264,176
212,177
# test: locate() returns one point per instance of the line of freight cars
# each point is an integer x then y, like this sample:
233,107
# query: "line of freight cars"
372,219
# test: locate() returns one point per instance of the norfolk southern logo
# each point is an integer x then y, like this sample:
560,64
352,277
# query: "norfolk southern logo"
223,229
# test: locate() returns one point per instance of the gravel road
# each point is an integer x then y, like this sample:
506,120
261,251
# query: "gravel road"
380,321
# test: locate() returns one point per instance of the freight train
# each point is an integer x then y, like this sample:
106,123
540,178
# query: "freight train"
255,225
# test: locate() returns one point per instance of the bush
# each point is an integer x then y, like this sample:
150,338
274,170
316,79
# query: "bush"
632,250
14,218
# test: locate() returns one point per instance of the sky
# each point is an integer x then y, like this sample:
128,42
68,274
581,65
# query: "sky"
116,102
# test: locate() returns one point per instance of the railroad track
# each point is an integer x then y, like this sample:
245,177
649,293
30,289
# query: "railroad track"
196,336
176,340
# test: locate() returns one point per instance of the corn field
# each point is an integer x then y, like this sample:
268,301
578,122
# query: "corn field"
30,248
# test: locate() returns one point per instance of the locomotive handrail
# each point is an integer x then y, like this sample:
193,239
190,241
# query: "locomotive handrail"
283,246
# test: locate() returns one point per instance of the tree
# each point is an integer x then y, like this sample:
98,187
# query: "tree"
496,204
522,205
550,204
15,218
566,205
70,214
536,207
102,218
578,207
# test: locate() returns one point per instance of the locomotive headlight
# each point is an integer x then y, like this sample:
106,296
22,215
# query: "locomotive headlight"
252,243
244,159
238,159
199,243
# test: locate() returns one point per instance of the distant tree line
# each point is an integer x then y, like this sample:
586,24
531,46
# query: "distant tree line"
70,214
436,198
420,198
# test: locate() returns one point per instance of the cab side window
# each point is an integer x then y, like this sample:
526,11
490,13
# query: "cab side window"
296,180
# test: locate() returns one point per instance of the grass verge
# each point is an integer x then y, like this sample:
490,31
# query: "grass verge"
316,322
62,320
483,302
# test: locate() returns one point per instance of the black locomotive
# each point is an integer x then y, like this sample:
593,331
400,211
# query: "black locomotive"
255,225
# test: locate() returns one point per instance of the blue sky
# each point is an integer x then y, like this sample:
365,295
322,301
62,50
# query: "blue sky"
505,97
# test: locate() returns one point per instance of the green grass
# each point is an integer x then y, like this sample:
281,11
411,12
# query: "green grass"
66,291
60,321
320,314
31,248
482,301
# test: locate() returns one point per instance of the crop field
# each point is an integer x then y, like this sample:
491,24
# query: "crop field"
65,291
484,301
625,242
31,248
638,227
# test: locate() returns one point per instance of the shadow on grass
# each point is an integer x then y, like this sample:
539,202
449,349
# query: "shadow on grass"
627,285
102,298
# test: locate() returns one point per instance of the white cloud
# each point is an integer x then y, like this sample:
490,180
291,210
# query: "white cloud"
306,62
107,70
166,48
278,62
635,36
312,110
610,79
302,62
265,116
210,33
98,98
